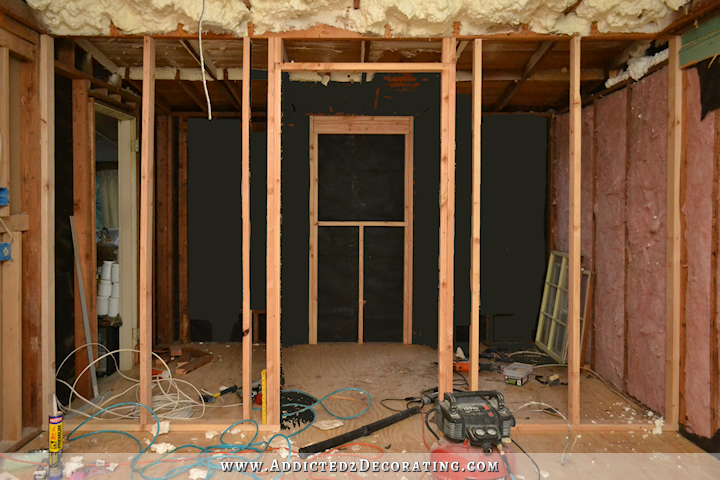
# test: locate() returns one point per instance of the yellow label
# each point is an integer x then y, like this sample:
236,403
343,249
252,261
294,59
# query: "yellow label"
264,397
55,435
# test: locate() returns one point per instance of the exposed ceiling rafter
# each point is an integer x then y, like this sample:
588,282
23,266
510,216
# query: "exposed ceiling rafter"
195,94
193,48
528,70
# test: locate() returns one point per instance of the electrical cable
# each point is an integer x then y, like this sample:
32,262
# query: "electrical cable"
528,455
427,423
558,412
202,62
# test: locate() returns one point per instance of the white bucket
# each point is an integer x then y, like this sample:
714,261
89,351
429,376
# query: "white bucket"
102,305
115,273
104,288
113,307
106,271
115,290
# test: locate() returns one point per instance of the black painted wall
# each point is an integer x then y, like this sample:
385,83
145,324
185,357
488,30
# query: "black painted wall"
513,205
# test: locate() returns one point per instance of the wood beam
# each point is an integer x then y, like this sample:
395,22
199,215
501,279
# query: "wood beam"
475,221
183,252
622,59
84,213
101,58
47,221
164,231
24,14
160,102
462,45
363,67
544,75
274,175
4,122
245,193
11,337
673,268
447,217
574,262
197,97
193,47
145,273
528,69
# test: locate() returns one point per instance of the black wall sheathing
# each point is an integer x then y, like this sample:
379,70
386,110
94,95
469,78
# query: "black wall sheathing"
215,223
361,177
395,94
513,212
383,293
338,264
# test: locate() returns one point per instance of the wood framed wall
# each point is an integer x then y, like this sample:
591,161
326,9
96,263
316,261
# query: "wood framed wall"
368,125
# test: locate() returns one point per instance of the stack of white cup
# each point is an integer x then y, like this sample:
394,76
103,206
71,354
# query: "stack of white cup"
108,298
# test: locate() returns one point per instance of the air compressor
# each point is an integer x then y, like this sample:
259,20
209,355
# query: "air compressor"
477,428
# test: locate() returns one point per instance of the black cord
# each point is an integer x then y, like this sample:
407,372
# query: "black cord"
533,461
463,377
427,423
409,402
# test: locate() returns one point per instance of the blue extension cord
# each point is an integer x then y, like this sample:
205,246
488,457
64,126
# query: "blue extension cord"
203,459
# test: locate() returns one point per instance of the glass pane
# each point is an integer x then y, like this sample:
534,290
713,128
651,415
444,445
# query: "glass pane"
558,338
555,273
563,307
545,332
550,304
564,282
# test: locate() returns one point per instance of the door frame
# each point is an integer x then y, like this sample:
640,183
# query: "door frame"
128,215
357,125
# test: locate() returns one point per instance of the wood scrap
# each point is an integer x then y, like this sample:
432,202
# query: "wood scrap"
193,364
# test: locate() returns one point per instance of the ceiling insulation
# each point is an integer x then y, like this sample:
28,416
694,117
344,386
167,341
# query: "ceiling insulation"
406,17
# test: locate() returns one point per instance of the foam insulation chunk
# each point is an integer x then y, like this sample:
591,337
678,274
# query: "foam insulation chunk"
75,464
162,448
405,17
164,428
197,473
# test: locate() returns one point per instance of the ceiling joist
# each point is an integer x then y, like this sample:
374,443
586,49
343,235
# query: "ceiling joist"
528,70
198,98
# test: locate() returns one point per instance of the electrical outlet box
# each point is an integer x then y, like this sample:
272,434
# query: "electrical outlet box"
4,197
5,252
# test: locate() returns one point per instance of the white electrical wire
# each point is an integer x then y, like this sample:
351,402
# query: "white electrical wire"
168,404
568,445
202,62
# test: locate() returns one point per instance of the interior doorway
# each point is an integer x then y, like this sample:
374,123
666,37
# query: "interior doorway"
116,225
361,211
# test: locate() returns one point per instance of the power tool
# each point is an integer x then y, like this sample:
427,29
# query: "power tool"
476,425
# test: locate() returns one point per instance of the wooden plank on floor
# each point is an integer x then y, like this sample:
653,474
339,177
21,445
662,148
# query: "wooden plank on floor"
574,262
147,162
674,269
11,318
475,220
84,213
274,175
247,320
183,265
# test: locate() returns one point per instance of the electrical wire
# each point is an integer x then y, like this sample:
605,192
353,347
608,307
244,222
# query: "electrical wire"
202,62
427,424
559,413
528,455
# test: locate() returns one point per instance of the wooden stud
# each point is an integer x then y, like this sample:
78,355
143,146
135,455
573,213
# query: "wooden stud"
11,356
245,187
574,262
146,225
672,326
314,223
475,242
361,280
183,265
356,223
447,218
165,232
47,221
409,218
84,212
4,122
715,324
274,177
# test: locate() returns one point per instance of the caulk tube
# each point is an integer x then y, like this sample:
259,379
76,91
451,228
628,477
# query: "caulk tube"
55,436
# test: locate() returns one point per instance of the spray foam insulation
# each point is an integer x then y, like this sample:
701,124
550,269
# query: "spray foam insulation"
609,318
646,240
406,17
697,208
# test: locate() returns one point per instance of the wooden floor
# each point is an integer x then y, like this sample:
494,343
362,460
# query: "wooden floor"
398,371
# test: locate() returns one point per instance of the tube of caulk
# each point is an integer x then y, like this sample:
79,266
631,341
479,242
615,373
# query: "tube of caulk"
55,435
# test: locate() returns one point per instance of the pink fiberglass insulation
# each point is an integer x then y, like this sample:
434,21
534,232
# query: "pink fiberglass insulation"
587,173
646,240
697,209
609,305
560,195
